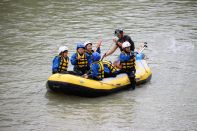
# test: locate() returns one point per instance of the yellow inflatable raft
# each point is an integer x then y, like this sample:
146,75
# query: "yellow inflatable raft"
76,85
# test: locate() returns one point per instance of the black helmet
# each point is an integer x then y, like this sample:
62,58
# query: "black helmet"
118,31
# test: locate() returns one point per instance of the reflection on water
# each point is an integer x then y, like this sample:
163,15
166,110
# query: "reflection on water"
32,31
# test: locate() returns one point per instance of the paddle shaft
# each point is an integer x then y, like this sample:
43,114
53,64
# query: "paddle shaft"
145,45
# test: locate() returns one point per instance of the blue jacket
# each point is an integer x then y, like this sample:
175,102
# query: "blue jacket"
95,71
56,63
59,65
97,50
74,60
128,62
125,57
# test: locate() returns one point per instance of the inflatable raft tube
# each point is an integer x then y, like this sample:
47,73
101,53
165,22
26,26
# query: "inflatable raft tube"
76,85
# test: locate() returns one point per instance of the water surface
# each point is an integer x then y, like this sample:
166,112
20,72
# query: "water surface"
32,31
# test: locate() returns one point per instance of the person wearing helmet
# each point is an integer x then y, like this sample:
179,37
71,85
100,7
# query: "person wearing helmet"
121,39
100,69
88,47
127,63
81,60
97,68
111,69
60,62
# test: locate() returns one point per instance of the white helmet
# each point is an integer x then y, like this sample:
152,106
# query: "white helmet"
126,44
62,49
87,42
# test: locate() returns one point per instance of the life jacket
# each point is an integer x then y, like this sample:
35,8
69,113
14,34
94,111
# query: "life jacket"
101,69
89,53
83,62
128,65
110,66
63,64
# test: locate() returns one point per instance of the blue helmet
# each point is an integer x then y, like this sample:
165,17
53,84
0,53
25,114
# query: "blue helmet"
80,45
96,56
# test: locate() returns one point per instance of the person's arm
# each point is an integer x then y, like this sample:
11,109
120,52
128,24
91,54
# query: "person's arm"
73,59
98,50
111,51
89,59
98,47
55,66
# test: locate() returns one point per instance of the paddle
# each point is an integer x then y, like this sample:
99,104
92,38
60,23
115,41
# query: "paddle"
144,46
103,57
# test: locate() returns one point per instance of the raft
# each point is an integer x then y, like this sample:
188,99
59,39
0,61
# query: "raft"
77,85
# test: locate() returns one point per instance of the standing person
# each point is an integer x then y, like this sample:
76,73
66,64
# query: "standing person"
81,60
127,63
88,47
118,43
60,62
